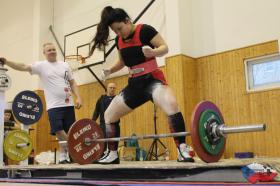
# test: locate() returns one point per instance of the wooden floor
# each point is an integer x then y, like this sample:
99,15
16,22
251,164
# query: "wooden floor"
226,170
273,162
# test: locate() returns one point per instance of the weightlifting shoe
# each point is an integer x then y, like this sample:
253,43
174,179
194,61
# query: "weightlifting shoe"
185,153
104,155
64,158
64,162
110,158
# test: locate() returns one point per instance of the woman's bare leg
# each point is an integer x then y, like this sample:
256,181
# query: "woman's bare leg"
113,113
166,100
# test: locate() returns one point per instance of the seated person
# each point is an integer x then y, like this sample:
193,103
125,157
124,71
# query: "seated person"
9,124
9,121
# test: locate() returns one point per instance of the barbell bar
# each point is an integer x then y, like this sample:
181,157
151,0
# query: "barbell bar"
22,145
221,131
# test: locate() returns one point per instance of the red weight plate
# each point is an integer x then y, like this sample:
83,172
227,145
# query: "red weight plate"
197,144
81,152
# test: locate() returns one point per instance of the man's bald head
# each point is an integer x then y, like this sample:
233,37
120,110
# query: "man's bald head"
111,89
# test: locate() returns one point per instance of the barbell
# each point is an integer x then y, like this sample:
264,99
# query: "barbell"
27,108
208,133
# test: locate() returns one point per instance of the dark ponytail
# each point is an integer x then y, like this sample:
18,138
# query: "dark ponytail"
109,16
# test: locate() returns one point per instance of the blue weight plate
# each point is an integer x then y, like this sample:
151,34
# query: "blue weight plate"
27,107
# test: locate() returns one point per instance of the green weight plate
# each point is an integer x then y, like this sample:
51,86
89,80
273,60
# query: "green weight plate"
205,118
18,145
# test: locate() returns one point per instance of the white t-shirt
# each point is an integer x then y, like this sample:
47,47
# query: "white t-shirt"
55,77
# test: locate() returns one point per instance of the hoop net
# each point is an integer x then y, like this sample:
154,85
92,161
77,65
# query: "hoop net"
75,61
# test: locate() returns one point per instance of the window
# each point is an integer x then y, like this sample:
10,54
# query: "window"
263,73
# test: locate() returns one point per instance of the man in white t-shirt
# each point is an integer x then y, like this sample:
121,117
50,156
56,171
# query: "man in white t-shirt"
59,85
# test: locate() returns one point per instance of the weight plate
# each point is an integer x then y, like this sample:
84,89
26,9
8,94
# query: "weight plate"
27,107
17,145
5,82
195,133
80,151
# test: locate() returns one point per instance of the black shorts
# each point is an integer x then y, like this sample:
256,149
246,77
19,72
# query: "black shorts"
139,89
61,118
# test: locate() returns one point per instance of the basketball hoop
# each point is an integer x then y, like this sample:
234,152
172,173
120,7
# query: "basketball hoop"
75,61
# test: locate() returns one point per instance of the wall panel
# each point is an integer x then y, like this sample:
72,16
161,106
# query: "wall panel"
221,79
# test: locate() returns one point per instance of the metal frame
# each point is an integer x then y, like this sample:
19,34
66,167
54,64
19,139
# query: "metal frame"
106,54
56,40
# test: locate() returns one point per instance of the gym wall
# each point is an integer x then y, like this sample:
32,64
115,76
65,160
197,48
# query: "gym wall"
17,36
212,26
221,79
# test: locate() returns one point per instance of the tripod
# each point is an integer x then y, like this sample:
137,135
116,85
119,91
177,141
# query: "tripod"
153,150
